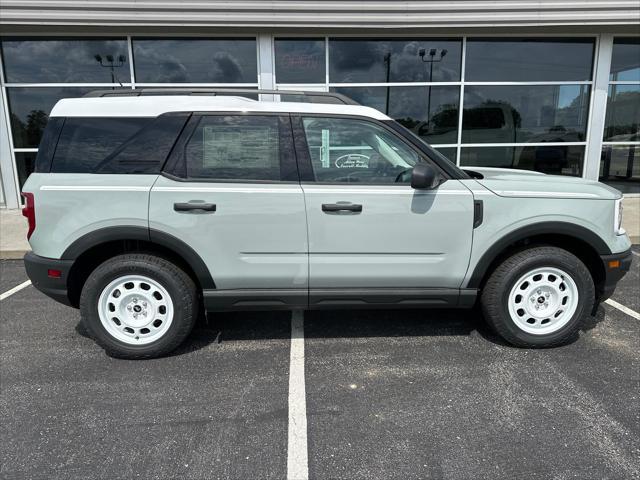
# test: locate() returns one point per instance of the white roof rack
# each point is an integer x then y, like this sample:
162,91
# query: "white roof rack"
152,106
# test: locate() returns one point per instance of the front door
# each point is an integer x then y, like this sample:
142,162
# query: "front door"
231,193
368,229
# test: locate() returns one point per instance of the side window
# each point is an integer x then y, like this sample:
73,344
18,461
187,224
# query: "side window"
356,151
85,142
234,147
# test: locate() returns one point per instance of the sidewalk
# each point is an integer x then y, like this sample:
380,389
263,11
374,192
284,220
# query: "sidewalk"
13,234
13,229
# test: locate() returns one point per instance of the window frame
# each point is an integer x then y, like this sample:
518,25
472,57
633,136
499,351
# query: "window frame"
175,165
305,166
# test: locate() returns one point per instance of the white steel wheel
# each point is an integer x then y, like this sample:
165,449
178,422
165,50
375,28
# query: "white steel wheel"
543,300
135,309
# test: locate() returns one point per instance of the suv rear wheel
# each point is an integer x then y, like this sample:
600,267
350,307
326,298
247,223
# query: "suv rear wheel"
138,306
538,297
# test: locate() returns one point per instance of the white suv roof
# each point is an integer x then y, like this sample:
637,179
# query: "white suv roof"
152,106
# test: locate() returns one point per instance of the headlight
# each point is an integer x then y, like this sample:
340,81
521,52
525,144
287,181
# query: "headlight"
617,218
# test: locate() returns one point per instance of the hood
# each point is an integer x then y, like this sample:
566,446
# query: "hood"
508,182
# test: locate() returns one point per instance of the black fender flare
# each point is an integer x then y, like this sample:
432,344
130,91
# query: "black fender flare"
579,233
163,239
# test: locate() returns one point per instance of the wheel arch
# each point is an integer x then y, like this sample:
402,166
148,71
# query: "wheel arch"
582,242
90,250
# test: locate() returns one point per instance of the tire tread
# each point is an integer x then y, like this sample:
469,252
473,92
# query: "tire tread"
492,294
187,300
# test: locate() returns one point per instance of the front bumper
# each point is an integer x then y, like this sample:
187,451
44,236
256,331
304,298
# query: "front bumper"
613,274
39,270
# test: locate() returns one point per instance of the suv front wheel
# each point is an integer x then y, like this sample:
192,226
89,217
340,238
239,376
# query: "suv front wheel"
138,306
538,297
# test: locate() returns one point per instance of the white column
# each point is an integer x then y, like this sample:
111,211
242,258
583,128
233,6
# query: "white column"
266,65
598,106
9,193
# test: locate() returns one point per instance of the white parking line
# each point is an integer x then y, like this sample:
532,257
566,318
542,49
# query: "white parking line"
635,253
15,289
622,308
297,456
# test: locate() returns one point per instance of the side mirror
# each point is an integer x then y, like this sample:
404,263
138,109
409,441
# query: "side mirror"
423,177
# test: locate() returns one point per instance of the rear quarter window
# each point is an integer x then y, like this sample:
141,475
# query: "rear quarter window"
116,144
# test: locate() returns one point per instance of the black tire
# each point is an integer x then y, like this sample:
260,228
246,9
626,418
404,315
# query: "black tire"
495,295
177,284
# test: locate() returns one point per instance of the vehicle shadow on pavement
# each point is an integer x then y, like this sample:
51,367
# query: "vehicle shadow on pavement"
276,325
354,324
362,324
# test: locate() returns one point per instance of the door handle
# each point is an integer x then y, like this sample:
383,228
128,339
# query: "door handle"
196,206
341,207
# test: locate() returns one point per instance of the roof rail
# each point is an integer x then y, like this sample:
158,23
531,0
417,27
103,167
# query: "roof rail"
294,95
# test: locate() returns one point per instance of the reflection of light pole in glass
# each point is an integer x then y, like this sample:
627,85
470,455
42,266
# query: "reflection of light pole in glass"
387,63
431,60
109,62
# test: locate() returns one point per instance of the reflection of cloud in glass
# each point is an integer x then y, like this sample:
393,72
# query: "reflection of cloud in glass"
195,60
364,60
61,60
528,59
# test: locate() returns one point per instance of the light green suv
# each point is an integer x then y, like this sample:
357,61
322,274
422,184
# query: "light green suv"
147,207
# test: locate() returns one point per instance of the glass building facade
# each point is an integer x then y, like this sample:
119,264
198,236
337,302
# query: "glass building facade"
526,102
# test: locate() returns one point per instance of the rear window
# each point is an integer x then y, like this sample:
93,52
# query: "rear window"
116,144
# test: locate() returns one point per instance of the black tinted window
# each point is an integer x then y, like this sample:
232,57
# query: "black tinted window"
48,144
430,112
234,148
622,123
394,60
528,59
29,111
85,143
300,60
551,159
532,113
63,60
184,60
625,62
146,151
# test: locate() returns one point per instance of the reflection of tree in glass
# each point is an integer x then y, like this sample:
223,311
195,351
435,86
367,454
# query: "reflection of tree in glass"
29,134
17,127
443,121
36,121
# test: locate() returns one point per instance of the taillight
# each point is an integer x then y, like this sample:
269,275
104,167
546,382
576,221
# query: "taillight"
29,211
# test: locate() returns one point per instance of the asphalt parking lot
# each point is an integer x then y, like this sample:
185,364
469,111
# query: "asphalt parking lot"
389,394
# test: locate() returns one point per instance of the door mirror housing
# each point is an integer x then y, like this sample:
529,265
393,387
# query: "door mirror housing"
424,177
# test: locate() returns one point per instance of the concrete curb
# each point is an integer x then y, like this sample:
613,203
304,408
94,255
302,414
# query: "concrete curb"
12,254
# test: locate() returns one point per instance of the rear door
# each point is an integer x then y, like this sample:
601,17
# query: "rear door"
231,192
369,231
